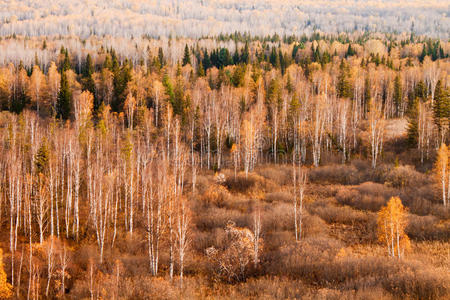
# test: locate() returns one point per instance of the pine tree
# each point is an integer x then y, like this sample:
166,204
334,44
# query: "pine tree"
376,59
274,59
325,58
223,58
64,104
305,63
273,92
222,79
238,76
423,54
367,94
413,125
41,158
187,56
200,69
289,84
283,62
236,57
295,51
107,64
87,80
168,88
344,89
441,109
420,90
121,78
19,97
178,103
161,58
179,70
245,55
66,62
398,94
206,61
350,51
5,287
315,53
88,68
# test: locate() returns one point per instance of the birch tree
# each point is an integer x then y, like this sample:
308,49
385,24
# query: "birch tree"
257,241
300,183
37,85
441,171
182,233
317,128
54,80
425,130
5,287
392,221
156,178
376,131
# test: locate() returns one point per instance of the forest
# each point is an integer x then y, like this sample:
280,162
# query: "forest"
200,18
234,167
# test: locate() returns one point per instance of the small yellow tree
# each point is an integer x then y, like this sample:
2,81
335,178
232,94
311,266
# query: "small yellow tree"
235,153
5,287
441,170
392,221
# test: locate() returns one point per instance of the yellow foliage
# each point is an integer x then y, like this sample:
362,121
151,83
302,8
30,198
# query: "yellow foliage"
344,252
257,194
233,148
441,165
216,194
392,221
441,171
5,287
